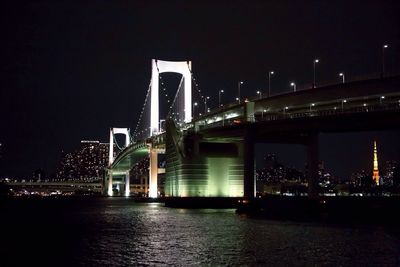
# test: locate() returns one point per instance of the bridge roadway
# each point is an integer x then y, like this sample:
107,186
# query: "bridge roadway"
295,117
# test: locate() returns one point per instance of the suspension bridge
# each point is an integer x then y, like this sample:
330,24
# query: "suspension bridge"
212,154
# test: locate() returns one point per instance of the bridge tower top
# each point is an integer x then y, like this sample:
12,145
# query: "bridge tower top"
161,66
113,131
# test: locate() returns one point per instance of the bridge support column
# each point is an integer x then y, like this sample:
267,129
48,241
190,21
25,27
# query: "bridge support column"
153,172
110,181
248,162
312,162
127,185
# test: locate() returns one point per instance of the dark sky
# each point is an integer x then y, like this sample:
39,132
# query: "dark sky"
70,70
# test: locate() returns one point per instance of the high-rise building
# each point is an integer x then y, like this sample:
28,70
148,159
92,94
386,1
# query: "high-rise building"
87,163
375,175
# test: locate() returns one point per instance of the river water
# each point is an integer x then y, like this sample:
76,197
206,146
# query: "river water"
120,232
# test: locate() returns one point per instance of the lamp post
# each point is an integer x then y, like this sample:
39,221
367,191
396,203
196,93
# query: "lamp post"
381,99
219,97
284,110
343,101
239,83
314,62
342,75
294,86
262,113
383,59
194,105
311,105
259,93
269,82
205,104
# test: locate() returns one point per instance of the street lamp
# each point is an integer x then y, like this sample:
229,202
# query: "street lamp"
294,86
205,104
315,61
237,99
343,101
284,110
259,93
311,105
383,59
381,99
195,104
219,97
262,113
269,82
239,83
342,75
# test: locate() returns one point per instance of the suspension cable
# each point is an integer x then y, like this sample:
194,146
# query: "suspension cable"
176,96
141,113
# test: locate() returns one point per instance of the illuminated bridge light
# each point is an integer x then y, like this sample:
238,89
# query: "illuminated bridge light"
231,115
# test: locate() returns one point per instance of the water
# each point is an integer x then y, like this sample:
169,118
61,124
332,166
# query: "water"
119,232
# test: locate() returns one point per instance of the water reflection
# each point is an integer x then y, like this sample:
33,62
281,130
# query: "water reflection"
155,235
119,232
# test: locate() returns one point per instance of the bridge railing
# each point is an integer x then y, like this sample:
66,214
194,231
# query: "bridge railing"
324,109
363,108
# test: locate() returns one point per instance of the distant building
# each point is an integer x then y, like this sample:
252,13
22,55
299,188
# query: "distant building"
87,163
38,175
388,172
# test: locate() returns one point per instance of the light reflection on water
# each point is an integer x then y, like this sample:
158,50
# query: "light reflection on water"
119,232
152,234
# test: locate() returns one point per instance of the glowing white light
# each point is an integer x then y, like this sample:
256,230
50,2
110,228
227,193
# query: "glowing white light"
114,131
385,46
292,84
316,61
231,115
341,74
160,66
271,72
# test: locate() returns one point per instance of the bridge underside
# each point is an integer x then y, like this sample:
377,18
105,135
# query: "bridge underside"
118,179
126,163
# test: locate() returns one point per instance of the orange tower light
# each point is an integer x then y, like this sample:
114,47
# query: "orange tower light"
375,176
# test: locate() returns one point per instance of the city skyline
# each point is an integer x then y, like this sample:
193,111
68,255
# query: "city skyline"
68,75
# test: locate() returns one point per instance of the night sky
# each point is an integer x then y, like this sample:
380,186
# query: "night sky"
70,70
